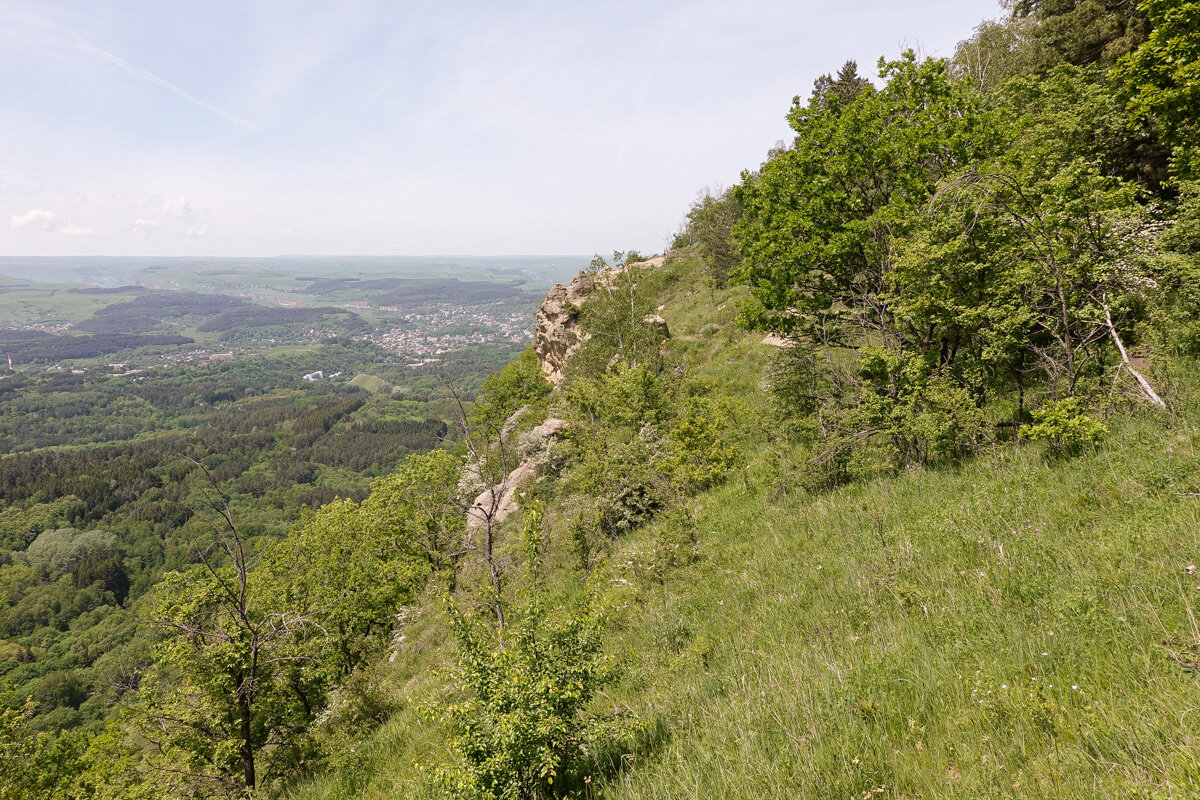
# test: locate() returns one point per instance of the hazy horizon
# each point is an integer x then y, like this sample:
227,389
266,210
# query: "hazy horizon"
115,270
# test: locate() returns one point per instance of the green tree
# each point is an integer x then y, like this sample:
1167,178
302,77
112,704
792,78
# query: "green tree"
419,504
1023,256
520,724
999,50
710,227
821,218
216,707
1163,74
346,568
36,766
489,435
837,92
619,324
1085,31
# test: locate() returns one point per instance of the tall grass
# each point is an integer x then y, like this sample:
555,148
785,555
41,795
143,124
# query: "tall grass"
1008,631
1013,627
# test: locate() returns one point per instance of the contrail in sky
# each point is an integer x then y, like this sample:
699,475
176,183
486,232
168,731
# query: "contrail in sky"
82,45
150,77
641,97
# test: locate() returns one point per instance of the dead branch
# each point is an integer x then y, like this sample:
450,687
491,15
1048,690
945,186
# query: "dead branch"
1147,389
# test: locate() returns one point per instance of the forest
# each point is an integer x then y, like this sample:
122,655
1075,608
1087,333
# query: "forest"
934,536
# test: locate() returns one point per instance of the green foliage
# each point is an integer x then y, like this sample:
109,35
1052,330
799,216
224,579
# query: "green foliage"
37,766
938,250
700,456
834,93
618,322
62,549
1176,318
709,226
347,568
627,397
60,689
1183,236
218,704
999,50
520,384
1065,426
1163,74
618,446
419,508
111,459
521,727
1085,31
255,648
924,271
875,337
820,217
925,416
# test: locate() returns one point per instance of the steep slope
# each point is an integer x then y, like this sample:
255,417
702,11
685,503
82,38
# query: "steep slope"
1018,626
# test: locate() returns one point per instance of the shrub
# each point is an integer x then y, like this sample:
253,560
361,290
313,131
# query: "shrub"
521,730
1066,427
701,456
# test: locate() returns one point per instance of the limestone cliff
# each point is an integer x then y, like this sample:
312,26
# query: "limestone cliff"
556,335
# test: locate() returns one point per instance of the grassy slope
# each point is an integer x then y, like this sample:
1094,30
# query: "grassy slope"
26,302
372,383
1008,628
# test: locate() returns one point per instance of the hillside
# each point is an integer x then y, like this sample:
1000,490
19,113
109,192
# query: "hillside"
1014,626
883,481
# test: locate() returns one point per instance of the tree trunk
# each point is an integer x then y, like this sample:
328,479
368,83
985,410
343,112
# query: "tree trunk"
248,776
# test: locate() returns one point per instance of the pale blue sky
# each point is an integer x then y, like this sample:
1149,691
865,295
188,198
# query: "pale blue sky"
234,127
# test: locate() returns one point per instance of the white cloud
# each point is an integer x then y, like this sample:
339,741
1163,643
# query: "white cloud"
197,230
142,227
41,219
177,207
35,219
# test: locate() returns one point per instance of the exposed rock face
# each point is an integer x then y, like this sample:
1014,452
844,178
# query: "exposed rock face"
659,324
501,500
549,429
556,335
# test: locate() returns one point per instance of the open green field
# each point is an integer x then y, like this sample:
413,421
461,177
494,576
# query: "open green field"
371,383
27,302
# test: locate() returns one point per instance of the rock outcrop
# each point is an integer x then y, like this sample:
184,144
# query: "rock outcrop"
499,501
556,335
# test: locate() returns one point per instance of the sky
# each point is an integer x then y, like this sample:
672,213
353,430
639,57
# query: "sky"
406,127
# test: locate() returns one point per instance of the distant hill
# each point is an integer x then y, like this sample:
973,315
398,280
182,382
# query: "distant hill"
152,310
